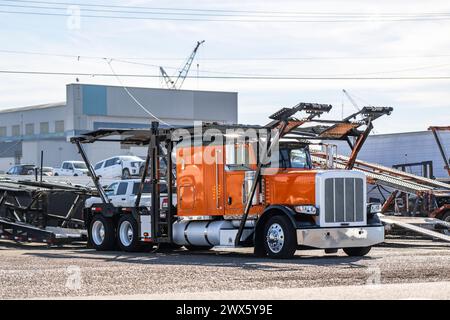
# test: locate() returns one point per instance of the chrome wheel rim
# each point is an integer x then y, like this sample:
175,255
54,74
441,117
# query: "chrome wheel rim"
275,238
98,232
126,233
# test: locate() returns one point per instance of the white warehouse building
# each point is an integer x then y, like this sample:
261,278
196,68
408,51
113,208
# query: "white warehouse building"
25,131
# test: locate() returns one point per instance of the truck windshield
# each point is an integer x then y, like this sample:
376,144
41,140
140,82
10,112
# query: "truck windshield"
295,158
79,165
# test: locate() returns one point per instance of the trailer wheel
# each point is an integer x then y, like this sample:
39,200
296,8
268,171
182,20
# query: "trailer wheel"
127,234
126,174
198,248
101,233
279,238
446,218
357,252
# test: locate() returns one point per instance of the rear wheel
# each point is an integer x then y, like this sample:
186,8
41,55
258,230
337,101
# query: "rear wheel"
101,233
357,252
446,218
279,238
127,234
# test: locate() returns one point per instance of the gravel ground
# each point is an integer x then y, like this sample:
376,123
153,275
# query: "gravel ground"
34,271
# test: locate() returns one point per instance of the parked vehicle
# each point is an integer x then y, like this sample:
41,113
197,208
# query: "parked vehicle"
71,168
22,170
122,194
124,167
46,171
241,196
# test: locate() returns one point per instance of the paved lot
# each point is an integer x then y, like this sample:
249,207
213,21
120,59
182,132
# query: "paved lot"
396,269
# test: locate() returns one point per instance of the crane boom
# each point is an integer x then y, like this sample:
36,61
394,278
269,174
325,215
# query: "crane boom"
167,79
178,83
351,99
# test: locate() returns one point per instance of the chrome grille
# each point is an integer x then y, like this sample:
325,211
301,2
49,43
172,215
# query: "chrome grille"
344,200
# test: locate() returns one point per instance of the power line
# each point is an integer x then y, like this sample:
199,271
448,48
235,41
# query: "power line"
375,19
78,57
132,96
229,14
299,77
216,10
232,58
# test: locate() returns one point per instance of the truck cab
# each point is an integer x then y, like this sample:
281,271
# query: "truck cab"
294,206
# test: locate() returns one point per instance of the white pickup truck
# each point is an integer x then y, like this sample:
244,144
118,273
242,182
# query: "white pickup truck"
71,168
122,194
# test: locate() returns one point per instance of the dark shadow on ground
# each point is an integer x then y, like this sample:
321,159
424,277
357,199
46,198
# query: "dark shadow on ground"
209,258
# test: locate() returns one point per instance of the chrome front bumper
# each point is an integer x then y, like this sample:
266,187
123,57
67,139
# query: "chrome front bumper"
330,238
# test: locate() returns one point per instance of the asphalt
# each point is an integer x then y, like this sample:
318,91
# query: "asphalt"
397,269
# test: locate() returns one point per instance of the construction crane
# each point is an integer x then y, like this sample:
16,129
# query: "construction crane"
351,99
182,74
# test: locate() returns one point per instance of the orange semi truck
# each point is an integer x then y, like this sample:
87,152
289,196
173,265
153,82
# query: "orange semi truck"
238,185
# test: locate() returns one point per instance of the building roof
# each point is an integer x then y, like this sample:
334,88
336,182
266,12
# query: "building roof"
148,88
35,107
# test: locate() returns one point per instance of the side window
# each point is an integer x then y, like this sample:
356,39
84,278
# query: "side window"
111,162
65,165
112,189
98,165
122,189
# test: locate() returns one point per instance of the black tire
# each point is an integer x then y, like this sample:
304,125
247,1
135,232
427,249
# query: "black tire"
286,241
75,175
107,243
446,218
357,252
56,174
127,234
126,174
198,248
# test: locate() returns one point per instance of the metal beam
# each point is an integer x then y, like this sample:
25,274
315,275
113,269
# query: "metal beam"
94,176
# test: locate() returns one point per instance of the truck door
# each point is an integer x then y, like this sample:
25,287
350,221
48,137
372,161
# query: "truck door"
213,180
236,164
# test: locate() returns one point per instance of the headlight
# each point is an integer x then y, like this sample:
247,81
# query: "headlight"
375,207
306,209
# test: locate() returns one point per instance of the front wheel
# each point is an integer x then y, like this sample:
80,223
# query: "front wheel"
357,251
101,233
280,238
127,234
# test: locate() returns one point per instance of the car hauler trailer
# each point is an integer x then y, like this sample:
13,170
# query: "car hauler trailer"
239,185
42,211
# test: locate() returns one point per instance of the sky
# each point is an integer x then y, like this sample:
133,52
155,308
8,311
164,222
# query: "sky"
374,47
